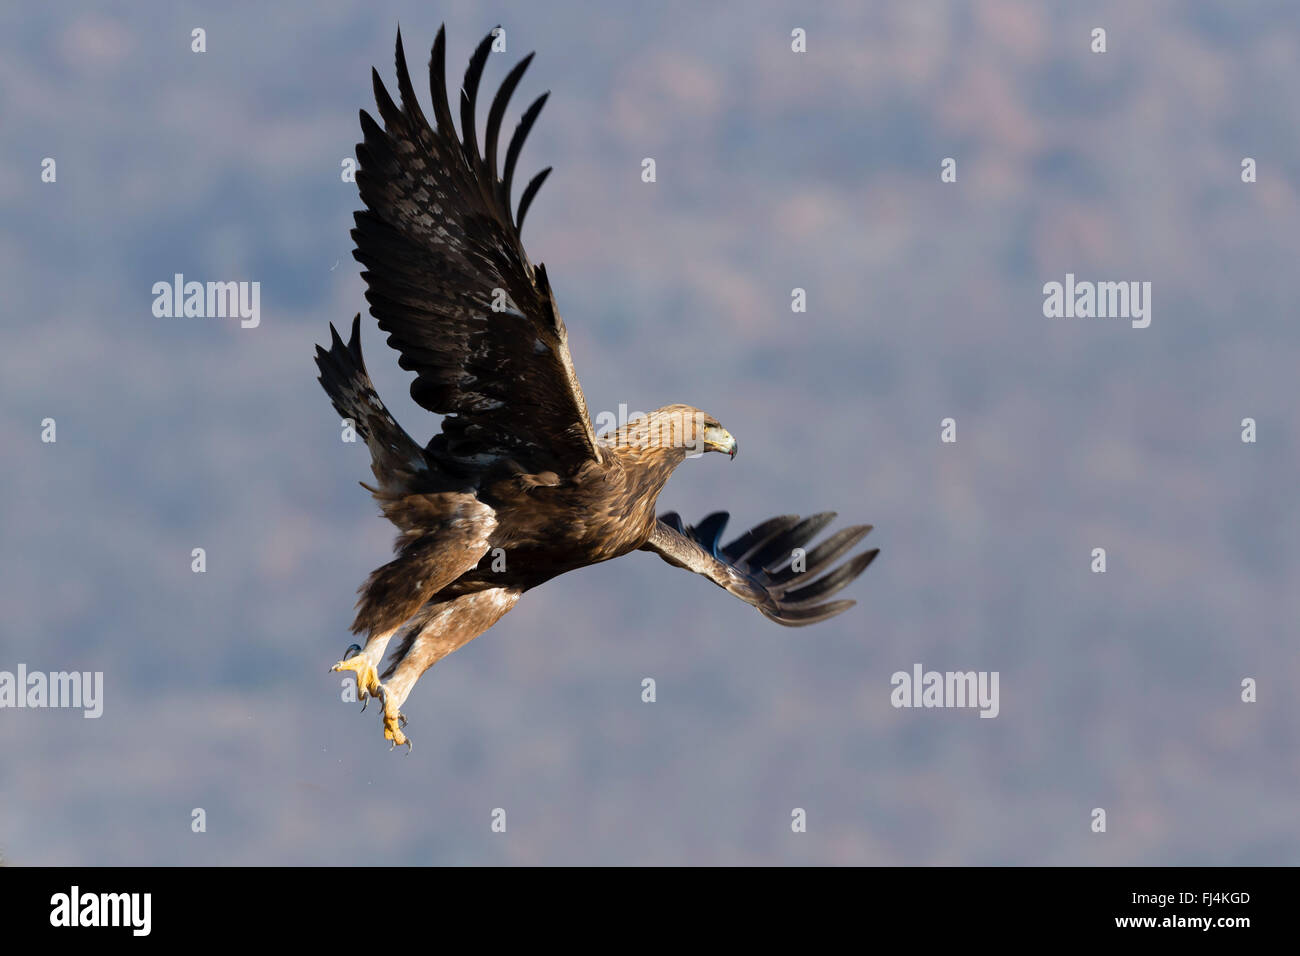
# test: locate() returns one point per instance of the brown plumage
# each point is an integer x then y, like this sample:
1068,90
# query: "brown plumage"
517,487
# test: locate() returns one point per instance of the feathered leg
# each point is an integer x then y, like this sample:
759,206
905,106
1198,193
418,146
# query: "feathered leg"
403,588
440,629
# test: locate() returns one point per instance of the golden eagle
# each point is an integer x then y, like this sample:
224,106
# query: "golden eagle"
517,487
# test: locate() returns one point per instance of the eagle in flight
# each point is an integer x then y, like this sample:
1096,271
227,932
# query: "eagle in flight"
517,487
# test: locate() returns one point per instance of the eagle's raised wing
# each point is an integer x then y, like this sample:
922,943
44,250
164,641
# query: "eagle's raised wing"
450,282
759,567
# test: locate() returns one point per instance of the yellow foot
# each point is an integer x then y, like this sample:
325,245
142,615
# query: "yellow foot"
394,721
367,675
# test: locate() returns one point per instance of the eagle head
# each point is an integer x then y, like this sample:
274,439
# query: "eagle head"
717,438
680,430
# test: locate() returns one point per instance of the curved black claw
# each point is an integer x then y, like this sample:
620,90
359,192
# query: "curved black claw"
352,651
407,745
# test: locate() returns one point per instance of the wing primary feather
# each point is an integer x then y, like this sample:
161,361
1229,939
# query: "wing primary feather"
802,617
709,531
825,553
780,548
831,583
387,108
741,550
469,99
738,547
527,199
517,143
354,341
498,112
438,85
410,102
375,140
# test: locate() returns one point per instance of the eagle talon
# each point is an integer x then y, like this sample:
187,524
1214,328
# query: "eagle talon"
367,676
394,721
394,733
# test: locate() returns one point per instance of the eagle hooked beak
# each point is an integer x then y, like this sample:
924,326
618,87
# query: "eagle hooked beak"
719,439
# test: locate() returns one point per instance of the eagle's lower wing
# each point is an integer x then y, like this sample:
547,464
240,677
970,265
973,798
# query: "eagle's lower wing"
763,567
450,282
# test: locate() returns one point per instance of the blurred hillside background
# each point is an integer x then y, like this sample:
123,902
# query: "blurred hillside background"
775,170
